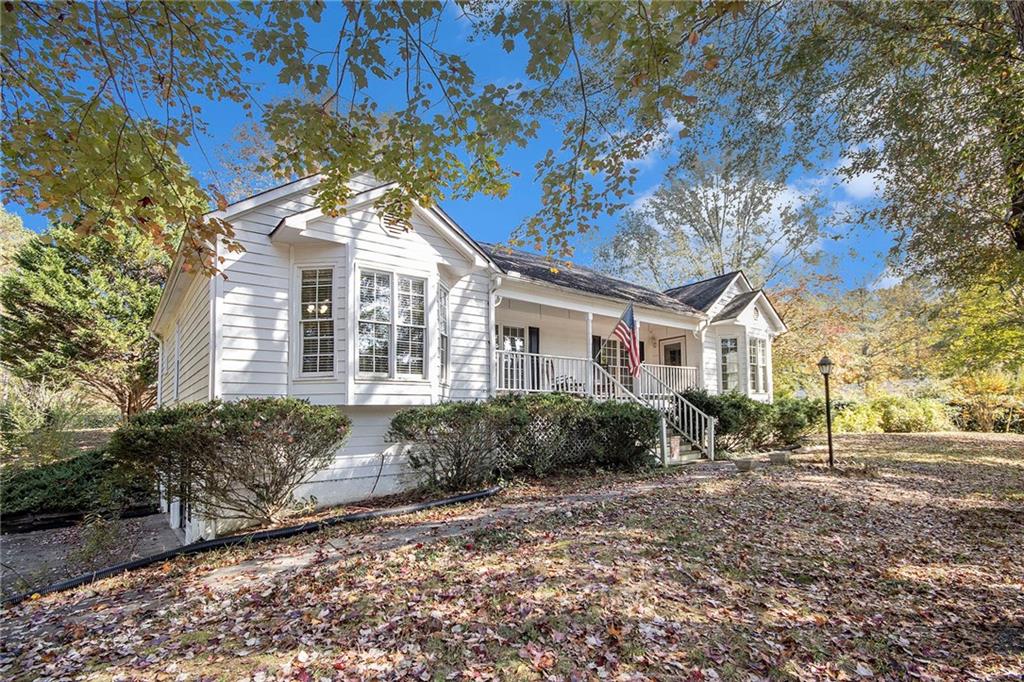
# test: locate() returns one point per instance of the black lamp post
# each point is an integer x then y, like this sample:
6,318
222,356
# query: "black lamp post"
825,366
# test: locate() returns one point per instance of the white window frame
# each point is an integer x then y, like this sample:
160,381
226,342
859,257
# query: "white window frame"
444,333
392,374
722,367
757,371
296,345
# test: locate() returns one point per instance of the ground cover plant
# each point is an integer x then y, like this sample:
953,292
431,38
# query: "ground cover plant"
903,563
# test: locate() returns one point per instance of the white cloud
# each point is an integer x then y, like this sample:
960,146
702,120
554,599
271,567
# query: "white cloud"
863,186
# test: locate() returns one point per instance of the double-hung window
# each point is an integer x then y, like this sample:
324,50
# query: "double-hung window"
442,330
392,324
316,317
730,365
758,365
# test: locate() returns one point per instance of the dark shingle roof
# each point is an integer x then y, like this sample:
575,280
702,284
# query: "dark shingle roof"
536,266
736,306
701,295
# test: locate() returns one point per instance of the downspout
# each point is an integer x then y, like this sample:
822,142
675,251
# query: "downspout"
492,342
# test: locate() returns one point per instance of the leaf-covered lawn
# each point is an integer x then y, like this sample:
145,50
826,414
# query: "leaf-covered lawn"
908,562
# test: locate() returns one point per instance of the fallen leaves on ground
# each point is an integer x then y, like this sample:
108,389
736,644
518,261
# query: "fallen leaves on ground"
904,563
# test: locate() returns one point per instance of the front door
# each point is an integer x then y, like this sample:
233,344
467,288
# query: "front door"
672,354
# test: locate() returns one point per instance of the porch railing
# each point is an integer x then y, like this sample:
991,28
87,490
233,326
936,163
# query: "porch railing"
659,377
520,372
694,425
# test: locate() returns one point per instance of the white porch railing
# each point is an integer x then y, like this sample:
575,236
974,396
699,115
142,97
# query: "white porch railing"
658,377
694,425
520,372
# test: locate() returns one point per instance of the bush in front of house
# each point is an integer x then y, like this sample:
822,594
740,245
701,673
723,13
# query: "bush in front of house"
458,445
745,424
797,418
239,460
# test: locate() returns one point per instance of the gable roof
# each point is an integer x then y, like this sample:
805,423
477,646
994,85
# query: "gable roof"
736,306
544,269
703,294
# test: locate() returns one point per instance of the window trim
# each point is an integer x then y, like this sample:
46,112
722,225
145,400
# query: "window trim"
428,304
296,326
444,350
722,366
758,369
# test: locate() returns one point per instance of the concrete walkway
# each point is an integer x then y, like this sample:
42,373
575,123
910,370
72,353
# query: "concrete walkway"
32,560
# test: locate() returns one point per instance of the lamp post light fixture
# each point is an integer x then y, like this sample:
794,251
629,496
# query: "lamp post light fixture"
825,366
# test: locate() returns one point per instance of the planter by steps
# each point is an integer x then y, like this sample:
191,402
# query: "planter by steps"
780,457
743,465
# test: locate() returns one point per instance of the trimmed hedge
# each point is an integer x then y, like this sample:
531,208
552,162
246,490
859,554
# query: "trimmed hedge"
238,460
462,445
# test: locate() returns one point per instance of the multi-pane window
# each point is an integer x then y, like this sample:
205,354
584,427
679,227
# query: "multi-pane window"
392,324
730,365
316,316
375,322
615,359
412,325
759,365
442,328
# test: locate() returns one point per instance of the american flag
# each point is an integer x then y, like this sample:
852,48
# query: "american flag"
627,332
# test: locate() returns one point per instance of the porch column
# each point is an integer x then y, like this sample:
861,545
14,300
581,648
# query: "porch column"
587,347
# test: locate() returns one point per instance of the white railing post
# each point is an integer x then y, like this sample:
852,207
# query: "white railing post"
711,439
664,441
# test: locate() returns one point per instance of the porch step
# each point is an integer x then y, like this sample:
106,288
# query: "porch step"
680,448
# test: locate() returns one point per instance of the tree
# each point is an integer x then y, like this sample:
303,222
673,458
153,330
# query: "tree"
818,325
925,99
712,219
79,310
982,329
12,235
99,97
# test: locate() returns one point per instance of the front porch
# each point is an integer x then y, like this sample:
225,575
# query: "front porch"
544,348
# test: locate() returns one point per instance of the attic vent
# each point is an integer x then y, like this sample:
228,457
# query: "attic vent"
757,314
394,227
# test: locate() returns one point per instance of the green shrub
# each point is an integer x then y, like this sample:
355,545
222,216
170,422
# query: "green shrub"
742,423
464,445
795,418
79,484
457,444
912,415
238,460
892,414
856,418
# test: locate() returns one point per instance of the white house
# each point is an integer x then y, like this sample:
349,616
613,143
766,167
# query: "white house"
347,311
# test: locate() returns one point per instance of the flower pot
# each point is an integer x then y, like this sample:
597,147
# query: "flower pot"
743,465
781,457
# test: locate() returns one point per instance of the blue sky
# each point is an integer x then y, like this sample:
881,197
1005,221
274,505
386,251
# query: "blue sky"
857,257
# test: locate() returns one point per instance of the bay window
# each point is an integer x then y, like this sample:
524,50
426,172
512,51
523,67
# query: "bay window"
392,324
